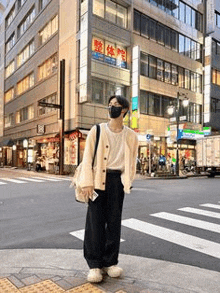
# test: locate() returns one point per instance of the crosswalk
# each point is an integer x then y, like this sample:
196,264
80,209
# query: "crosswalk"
36,179
186,216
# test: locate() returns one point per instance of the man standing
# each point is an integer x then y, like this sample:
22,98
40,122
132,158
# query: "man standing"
112,176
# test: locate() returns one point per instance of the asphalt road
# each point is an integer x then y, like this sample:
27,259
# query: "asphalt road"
44,214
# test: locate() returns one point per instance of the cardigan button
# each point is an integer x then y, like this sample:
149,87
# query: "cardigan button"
103,171
107,146
105,158
103,183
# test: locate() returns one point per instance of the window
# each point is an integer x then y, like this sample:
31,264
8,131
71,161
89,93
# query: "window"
187,79
25,53
174,80
168,38
151,104
199,83
181,44
111,11
215,77
193,18
152,67
152,33
144,102
9,95
137,21
48,30
50,99
20,3
199,25
188,15
160,70
10,17
9,120
181,77
144,64
160,34
10,43
43,3
121,16
157,106
99,8
193,50
10,69
182,7
25,83
29,18
175,11
217,19
24,114
198,52
215,47
167,72
161,4
187,47
215,105
48,67
144,26
97,91
193,81
174,40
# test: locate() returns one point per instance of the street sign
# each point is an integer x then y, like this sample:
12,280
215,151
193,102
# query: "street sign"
49,105
183,118
172,119
148,137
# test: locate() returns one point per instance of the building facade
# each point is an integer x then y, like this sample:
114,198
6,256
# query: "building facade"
149,51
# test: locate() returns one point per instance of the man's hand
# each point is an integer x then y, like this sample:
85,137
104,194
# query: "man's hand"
88,191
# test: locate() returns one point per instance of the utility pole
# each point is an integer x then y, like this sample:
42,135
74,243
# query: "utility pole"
62,116
177,133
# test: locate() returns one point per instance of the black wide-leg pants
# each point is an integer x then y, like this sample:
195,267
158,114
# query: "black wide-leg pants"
103,224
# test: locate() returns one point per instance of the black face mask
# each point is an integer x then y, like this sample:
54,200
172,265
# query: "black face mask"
115,112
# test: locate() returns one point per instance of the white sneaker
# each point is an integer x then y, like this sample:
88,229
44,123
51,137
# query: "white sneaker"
114,271
95,276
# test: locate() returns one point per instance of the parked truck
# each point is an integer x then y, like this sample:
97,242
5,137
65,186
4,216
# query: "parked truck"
208,155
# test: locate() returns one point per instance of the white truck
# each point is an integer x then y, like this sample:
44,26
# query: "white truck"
208,155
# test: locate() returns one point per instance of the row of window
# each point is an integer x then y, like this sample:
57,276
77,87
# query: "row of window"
10,17
181,11
111,11
157,105
156,68
44,70
27,113
49,29
215,76
29,49
217,19
215,47
149,28
215,105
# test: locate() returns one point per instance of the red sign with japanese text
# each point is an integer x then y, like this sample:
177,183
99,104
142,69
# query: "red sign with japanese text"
121,53
110,49
97,45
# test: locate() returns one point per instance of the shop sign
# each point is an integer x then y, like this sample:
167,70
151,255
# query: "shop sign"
121,57
75,134
110,53
50,139
98,49
190,134
134,103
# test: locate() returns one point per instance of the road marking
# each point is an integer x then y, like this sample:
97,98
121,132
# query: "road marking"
188,221
80,235
30,179
201,212
46,178
141,189
13,180
210,205
179,238
60,178
2,183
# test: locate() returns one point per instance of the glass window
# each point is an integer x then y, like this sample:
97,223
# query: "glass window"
181,44
187,79
97,91
193,81
198,52
182,11
193,18
174,75
54,25
152,67
218,48
144,26
98,8
9,95
161,4
214,76
121,16
199,26
175,10
188,15
193,50
110,11
174,40
187,47
144,102
181,77
157,107
168,6
168,38
167,72
160,34
160,70
151,104
199,83
137,22
154,2
165,104
152,34
144,64
218,78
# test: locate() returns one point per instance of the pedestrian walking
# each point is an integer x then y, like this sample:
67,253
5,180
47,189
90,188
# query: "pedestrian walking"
114,171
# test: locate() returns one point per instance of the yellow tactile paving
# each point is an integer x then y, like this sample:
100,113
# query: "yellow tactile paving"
42,287
85,288
7,287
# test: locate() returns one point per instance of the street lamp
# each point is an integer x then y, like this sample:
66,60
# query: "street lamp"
176,109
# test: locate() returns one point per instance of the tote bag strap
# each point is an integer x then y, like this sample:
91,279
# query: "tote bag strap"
96,142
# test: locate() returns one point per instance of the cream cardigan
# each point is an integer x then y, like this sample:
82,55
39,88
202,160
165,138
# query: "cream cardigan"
98,177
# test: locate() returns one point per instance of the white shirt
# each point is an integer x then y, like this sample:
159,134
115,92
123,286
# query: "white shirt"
116,159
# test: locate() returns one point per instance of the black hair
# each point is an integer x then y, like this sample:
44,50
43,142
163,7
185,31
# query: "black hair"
122,101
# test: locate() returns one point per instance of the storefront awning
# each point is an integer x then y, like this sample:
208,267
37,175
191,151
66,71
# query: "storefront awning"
7,142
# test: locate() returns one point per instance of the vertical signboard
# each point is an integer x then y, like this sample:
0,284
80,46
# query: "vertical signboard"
135,87
83,95
207,78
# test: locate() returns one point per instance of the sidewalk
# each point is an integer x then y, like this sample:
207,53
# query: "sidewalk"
63,270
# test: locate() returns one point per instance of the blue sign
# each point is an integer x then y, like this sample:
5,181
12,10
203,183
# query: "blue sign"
97,56
134,103
148,137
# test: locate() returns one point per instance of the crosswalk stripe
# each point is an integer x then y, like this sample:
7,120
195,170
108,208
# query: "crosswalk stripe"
210,205
2,183
179,238
188,221
201,212
80,235
46,178
30,179
13,180
61,178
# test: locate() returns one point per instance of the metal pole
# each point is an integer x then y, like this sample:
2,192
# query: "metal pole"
150,159
62,116
177,133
